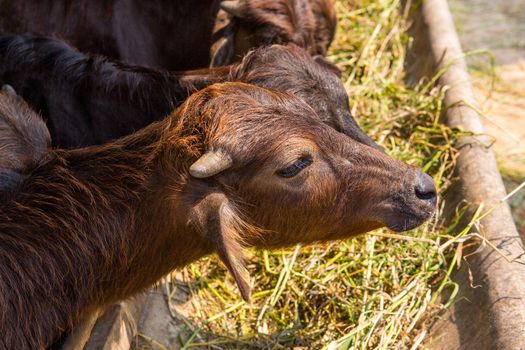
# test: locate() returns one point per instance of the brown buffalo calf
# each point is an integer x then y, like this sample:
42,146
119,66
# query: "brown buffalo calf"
90,100
235,166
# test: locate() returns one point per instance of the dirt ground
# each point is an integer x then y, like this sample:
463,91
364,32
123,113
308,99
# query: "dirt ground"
504,104
496,30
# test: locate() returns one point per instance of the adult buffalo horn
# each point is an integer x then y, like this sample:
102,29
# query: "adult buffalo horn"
233,7
209,164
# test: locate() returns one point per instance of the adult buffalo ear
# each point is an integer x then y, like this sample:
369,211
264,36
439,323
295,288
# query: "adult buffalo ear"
216,219
323,61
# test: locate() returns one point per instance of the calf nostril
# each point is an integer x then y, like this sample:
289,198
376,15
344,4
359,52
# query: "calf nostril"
425,188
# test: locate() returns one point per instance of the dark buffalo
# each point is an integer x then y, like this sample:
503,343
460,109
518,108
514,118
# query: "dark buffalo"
181,34
90,100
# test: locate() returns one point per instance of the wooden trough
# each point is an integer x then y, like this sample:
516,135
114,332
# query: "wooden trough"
489,315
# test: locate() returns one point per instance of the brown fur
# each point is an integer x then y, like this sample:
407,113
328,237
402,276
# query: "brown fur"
24,138
309,24
91,226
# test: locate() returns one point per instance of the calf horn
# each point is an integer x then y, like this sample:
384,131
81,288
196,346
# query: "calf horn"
209,164
233,7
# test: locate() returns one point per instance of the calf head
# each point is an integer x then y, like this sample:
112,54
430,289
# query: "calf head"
316,80
272,174
24,138
253,23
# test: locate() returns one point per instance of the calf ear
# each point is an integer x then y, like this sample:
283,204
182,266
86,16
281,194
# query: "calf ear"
219,224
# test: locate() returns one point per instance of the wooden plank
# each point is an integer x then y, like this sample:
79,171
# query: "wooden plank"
492,315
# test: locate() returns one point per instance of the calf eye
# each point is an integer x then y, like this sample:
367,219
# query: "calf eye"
295,168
